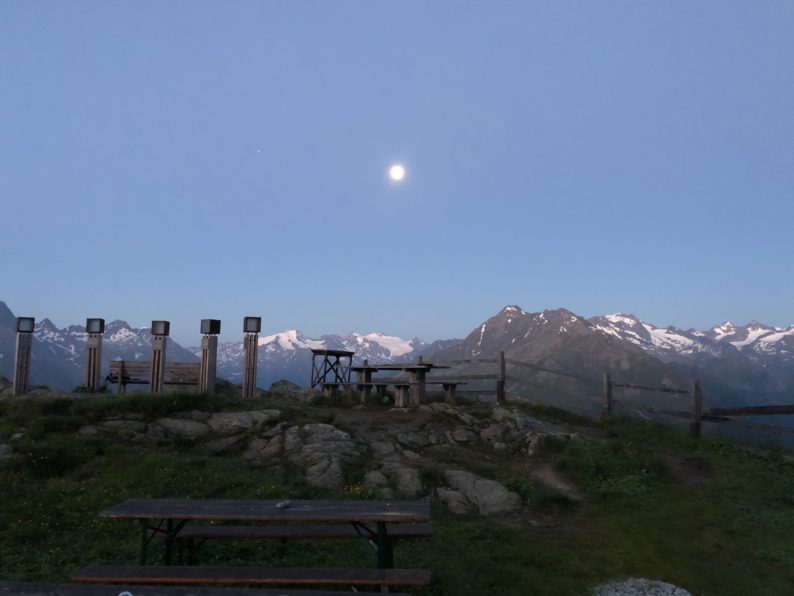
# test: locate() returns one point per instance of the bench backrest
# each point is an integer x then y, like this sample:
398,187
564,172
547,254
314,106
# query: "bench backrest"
139,371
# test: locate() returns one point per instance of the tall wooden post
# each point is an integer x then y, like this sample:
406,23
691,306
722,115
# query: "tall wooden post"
93,370
160,330
251,327
607,409
25,328
210,328
500,377
364,379
697,409
418,387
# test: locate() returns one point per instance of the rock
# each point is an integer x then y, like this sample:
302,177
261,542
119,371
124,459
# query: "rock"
228,423
291,390
18,436
488,496
382,448
263,451
440,406
192,415
454,501
499,446
324,472
122,426
188,430
492,433
413,439
424,408
375,479
225,444
406,480
5,451
639,587
320,449
411,454
462,435
467,419
87,431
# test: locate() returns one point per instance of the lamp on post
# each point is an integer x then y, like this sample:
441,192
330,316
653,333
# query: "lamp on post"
210,328
25,328
160,331
93,372
251,327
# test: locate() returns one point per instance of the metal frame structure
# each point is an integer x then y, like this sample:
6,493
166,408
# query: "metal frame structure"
331,368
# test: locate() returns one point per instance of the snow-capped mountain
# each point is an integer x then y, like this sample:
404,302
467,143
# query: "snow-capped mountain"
60,355
759,342
738,364
287,355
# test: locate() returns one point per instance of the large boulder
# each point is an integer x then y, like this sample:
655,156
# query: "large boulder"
229,423
487,496
186,430
406,480
320,450
291,390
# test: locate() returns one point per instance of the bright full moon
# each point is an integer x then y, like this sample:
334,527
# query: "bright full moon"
396,172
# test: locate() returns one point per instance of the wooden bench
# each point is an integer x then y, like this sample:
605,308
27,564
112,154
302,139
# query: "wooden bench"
138,372
48,589
449,386
191,534
251,576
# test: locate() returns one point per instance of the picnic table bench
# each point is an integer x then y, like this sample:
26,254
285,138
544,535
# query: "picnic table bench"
50,589
375,521
250,576
138,372
193,536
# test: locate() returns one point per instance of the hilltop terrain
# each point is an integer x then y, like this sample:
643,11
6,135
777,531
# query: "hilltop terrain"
527,499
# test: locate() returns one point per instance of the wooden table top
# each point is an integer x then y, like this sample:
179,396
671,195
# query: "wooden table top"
266,510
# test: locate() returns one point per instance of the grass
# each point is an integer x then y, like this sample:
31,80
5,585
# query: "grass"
728,534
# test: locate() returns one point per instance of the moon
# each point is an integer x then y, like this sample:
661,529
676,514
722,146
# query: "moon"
397,172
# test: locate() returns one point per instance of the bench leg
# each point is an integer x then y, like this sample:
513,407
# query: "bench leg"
385,550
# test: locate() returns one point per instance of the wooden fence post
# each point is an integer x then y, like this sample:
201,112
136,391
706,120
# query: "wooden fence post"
697,409
607,410
500,377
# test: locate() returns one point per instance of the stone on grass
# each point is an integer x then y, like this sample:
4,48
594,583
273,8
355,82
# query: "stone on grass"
188,430
229,423
639,587
454,501
488,496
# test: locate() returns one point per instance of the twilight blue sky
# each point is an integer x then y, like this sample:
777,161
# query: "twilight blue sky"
188,159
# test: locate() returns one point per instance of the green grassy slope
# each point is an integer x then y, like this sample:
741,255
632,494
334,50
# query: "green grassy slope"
709,516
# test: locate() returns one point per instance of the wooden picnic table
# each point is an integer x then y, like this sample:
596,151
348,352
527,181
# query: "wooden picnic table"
165,518
417,373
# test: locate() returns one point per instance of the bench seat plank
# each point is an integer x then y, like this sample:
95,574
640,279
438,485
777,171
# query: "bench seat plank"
339,532
261,576
48,589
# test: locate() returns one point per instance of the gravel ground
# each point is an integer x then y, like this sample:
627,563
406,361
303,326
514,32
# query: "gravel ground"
639,587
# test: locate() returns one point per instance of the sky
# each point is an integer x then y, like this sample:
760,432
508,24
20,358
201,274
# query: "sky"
184,160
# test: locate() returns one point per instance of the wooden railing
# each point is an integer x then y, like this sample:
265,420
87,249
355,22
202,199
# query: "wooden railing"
695,412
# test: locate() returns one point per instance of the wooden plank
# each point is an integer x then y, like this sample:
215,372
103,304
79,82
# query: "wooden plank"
50,589
249,576
296,532
265,510
752,411
650,388
548,370
479,377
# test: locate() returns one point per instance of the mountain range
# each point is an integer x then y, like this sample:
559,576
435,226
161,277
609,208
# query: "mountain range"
753,363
